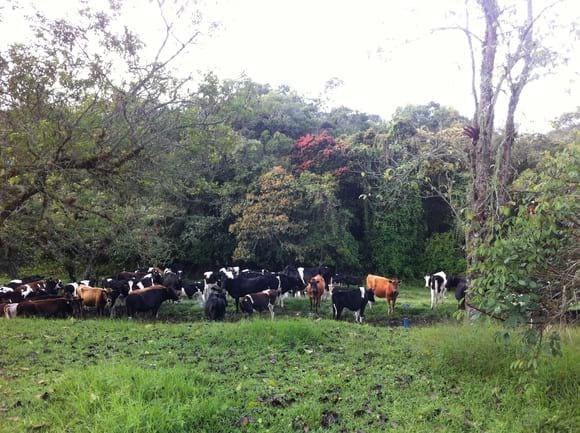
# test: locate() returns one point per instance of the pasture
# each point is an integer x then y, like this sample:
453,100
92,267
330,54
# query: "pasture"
297,373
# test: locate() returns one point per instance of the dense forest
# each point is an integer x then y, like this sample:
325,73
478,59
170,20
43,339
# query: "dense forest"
110,160
268,178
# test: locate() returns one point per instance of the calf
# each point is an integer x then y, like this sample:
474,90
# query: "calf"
215,306
315,290
149,299
383,287
437,284
261,301
355,300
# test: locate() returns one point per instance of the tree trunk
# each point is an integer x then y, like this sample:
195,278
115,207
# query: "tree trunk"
483,133
505,158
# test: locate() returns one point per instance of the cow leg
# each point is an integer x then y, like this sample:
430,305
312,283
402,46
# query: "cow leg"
271,308
237,304
339,312
432,297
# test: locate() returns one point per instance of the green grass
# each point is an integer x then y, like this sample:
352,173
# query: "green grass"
296,374
282,376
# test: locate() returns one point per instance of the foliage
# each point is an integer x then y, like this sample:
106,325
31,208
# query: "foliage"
397,237
443,252
268,230
530,271
318,153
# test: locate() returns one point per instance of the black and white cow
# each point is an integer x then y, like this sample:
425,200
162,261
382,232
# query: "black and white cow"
250,273
192,288
289,286
437,284
240,287
215,306
24,280
151,279
355,300
260,301
304,274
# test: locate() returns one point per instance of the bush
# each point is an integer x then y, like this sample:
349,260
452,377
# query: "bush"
443,252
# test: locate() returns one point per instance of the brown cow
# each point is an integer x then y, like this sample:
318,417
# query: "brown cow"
54,307
315,290
93,297
387,288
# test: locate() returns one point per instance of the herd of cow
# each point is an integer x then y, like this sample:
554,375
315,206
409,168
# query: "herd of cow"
144,290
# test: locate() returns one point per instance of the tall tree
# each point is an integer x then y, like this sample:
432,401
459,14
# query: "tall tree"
80,107
514,37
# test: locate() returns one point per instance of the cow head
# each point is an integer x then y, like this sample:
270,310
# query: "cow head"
427,279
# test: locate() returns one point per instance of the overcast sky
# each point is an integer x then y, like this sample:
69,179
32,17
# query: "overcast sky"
383,52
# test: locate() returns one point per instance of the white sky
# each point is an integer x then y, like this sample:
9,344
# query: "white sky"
382,50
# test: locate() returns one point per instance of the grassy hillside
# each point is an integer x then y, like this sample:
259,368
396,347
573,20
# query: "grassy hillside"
289,375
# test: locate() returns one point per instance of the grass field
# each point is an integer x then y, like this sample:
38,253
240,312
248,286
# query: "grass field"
296,374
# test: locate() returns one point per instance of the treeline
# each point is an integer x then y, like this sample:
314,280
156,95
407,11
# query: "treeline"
109,162
269,179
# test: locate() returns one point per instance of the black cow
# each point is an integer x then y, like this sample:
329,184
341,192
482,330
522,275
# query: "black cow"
260,301
149,299
239,287
460,285
215,306
355,300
